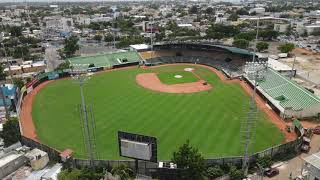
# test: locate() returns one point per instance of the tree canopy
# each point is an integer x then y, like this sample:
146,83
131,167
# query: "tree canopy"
286,48
189,158
241,43
11,132
219,31
262,46
15,31
71,45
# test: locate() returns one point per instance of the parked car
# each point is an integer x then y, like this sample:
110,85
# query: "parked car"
271,172
316,130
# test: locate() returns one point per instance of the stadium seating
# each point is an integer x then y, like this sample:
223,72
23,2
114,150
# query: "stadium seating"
229,68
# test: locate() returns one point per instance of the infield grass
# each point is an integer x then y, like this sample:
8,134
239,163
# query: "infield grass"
169,77
210,119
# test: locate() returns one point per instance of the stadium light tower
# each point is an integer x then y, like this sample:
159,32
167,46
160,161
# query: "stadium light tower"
86,115
255,72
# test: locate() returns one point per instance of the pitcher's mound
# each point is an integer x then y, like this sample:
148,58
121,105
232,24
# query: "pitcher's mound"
152,82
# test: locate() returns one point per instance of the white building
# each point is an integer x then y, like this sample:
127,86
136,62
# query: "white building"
258,10
312,28
10,162
38,159
281,27
311,167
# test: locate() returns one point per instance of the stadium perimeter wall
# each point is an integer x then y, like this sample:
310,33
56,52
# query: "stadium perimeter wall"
149,168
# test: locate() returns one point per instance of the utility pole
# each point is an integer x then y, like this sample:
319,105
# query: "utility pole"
293,64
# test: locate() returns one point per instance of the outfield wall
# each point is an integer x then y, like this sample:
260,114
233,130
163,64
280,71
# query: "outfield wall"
150,168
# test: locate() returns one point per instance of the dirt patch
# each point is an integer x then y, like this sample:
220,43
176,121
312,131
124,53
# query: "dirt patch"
152,82
27,126
272,116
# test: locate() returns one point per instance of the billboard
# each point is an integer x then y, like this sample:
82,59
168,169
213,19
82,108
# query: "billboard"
137,146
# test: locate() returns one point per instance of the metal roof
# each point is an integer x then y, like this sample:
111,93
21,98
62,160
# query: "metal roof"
313,159
288,93
105,60
235,50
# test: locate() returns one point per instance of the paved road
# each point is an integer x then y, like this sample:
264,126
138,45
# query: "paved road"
294,165
51,55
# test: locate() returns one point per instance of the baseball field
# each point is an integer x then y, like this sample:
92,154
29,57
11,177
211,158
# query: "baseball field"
209,119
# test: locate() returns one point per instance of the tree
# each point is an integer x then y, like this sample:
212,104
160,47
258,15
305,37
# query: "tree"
245,35
18,82
81,174
219,31
15,31
108,38
193,9
21,52
242,11
233,17
286,48
268,34
123,171
214,172
69,174
2,73
262,46
209,10
71,45
62,66
11,132
265,161
241,43
235,174
97,37
189,158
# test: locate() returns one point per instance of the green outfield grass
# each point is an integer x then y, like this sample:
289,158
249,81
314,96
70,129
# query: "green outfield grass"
169,77
210,120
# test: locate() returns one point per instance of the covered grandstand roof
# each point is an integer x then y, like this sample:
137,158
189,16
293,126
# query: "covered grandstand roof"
106,60
204,46
288,93
235,50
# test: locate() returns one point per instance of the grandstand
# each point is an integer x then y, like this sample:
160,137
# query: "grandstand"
288,98
228,59
107,59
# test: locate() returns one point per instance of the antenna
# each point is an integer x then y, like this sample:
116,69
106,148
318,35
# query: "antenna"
87,118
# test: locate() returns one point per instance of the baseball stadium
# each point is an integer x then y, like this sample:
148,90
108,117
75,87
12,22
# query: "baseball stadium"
174,92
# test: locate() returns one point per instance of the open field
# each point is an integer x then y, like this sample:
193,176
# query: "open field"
210,119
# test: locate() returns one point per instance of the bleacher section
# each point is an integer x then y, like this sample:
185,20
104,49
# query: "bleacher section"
291,99
106,60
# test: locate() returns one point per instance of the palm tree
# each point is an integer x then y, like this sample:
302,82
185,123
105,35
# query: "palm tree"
123,171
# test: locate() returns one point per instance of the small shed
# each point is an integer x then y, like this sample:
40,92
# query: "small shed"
66,154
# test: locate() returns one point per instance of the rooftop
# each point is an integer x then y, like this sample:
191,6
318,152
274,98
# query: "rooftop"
34,153
106,60
313,159
8,158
